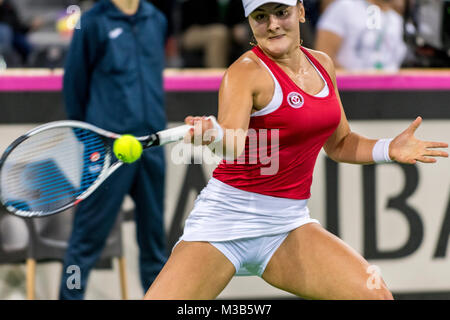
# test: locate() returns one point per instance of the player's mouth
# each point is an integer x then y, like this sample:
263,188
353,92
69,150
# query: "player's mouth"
276,37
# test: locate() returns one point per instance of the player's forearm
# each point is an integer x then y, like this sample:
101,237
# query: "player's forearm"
231,145
353,148
226,142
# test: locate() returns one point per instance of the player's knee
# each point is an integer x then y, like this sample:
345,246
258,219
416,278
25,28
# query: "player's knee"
381,293
388,295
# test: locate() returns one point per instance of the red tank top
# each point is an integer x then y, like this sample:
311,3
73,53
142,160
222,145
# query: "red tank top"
282,146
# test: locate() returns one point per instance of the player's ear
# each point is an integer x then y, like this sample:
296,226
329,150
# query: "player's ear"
301,12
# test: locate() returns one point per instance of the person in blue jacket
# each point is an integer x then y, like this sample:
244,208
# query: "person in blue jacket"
114,79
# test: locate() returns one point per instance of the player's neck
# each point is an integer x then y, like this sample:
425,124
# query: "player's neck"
294,62
129,7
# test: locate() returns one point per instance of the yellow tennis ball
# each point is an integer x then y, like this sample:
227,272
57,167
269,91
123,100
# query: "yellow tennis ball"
127,148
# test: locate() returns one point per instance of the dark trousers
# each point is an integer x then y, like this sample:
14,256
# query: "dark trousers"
22,46
96,216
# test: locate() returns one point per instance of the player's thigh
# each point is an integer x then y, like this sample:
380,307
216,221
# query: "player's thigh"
313,263
194,270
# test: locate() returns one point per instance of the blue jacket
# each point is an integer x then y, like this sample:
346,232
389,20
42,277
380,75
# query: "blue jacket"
114,69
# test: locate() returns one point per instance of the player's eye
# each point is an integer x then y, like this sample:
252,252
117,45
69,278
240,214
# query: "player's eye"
282,13
260,17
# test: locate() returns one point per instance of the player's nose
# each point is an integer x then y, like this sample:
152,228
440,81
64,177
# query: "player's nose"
273,23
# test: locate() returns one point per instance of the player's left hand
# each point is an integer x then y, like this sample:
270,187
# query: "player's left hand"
406,148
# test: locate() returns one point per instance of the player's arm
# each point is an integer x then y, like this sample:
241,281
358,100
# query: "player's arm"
237,90
345,145
77,71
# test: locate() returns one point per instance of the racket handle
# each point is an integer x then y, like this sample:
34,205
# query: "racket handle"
173,134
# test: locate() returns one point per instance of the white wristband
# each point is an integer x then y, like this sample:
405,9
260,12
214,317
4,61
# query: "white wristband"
216,146
219,130
380,152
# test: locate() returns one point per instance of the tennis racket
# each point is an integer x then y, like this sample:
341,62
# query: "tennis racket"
57,165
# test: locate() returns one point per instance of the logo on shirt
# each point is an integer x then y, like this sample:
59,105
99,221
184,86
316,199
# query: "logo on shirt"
295,100
115,33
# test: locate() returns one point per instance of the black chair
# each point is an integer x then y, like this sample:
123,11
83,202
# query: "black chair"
14,239
46,241
15,243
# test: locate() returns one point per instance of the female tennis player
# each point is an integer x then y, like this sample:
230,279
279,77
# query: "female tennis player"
246,221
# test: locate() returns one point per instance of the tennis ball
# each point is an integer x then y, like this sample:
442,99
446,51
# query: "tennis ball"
127,148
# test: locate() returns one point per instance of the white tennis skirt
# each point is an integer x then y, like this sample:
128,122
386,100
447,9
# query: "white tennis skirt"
222,212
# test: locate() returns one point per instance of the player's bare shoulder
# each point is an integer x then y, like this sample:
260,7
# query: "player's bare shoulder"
325,61
247,72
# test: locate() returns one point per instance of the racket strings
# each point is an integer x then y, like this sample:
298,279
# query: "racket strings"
52,168
41,170
29,156
57,192
44,172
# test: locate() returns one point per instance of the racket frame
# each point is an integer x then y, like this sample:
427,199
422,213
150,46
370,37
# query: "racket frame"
107,170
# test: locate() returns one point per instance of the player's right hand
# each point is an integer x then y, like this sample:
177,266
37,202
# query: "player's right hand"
203,132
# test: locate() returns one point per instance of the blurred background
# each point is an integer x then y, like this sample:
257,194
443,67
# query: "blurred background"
42,31
398,217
